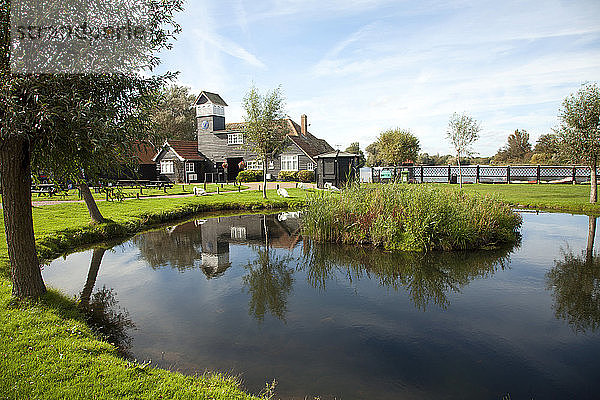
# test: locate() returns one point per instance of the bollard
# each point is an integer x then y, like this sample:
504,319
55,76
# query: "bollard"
278,186
183,188
205,186
259,188
218,190
240,189
137,195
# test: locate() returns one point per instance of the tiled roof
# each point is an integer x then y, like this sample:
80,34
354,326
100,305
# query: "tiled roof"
310,144
144,152
187,149
212,97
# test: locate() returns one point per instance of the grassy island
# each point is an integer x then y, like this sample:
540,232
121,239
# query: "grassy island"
410,217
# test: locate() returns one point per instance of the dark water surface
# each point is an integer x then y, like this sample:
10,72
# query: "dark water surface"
353,323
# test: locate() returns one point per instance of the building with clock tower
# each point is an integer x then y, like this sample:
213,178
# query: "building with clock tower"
220,154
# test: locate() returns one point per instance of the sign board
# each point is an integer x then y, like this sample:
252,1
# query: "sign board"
386,174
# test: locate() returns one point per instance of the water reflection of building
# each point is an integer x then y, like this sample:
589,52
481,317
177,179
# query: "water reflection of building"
282,231
205,242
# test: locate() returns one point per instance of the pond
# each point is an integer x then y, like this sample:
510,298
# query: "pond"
247,296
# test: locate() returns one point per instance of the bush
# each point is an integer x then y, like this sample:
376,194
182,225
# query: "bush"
288,176
250,175
410,217
306,176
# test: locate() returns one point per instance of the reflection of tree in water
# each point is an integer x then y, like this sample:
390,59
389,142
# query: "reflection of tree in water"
268,281
575,281
176,247
102,310
427,277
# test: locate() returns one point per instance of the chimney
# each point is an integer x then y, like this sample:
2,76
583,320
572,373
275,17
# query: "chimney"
303,124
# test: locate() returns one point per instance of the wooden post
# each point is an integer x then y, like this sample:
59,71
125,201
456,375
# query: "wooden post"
278,186
574,175
259,188
165,188
422,174
538,177
137,195
239,188
508,174
218,190
182,187
477,174
205,185
106,194
372,175
141,190
449,173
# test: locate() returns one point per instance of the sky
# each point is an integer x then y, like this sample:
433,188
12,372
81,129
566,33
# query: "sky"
359,67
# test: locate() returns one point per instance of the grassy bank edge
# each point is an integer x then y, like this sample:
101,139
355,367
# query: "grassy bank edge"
48,351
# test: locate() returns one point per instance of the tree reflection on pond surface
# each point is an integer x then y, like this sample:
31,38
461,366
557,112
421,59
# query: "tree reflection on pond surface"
575,281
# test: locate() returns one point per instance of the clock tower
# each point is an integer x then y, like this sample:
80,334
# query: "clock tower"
210,113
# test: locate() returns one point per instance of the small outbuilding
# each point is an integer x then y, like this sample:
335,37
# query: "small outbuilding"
336,168
178,161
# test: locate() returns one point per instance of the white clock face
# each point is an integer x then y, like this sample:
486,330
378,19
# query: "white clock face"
204,125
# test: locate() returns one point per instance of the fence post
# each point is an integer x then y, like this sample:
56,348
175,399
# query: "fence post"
422,174
477,174
372,175
449,173
539,174
508,174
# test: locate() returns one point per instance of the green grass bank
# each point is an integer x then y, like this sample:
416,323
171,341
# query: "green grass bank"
410,217
47,351
563,197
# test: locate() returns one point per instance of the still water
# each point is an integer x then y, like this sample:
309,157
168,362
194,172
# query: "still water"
247,296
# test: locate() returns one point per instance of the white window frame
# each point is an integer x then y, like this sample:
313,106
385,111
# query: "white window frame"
256,165
238,232
235,138
189,167
167,167
289,162
311,166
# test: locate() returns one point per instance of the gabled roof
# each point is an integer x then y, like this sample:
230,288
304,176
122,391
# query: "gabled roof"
309,144
186,150
212,97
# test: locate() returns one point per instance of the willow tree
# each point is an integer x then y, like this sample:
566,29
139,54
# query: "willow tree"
580,129
264,126
68,111
462,132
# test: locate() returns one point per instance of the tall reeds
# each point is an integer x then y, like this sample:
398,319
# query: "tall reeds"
409,217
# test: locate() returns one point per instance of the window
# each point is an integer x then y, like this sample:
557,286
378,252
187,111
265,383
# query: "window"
271,165
166,167
311,166
235,138
289,163
255,164
189,167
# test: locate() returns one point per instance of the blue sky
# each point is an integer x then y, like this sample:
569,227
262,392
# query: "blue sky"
357,67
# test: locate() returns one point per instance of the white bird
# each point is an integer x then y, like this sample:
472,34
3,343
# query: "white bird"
282,192
199,191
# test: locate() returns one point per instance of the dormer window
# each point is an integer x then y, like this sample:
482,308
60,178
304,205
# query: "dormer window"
235,138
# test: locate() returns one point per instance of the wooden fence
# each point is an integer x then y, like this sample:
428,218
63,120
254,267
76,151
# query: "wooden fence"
479,174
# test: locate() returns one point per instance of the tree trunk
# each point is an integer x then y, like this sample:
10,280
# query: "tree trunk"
591,237
95,214
265,178
15,174
459,171
86,293
593,181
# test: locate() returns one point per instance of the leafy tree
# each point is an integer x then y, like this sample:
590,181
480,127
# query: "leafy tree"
174,116
396,146
264,126
580,129
462,132
373,155
67,123
354,148
517,150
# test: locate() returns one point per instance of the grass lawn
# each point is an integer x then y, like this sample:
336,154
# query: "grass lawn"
47,350
574,198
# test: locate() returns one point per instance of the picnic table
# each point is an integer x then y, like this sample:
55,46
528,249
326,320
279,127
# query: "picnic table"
44,189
